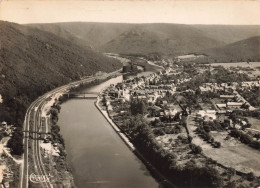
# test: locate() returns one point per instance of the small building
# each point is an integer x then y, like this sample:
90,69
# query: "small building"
211,111
227,96
164,102
207,114
235,104
221,105
109,108
251,108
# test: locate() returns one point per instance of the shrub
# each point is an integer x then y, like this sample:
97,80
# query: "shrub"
217,144
190,139
16,142
195,149
250,176
158,132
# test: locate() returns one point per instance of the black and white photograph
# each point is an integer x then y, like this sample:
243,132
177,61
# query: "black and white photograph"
129,94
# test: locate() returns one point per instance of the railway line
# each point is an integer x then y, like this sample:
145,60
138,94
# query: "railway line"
35,126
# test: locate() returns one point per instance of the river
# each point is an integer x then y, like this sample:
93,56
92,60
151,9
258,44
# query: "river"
97,155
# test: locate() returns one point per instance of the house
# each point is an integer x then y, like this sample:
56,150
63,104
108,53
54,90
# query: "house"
109,108
235,104
113,93
151,98
164,102
208,118
207,115
221,105
205,89
227,96
251,108
161,114
122,100
211,112
170,112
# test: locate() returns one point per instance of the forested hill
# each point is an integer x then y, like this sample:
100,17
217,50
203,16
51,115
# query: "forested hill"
161,38
34,61
244,50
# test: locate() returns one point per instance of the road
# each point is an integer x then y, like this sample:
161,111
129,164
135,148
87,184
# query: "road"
34,110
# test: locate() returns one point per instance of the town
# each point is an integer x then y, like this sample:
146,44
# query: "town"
196,117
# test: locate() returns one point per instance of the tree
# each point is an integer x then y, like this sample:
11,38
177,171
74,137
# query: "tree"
16,142
217,144
250,176
138,107
196,149
58,107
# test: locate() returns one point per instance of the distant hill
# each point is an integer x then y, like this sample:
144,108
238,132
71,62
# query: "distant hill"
34,61
244,50
174,39
229,33
91,34
147,40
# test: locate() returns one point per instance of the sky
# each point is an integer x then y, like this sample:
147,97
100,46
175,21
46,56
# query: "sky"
181,11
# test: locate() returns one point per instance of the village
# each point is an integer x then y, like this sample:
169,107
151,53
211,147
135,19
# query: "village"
9,164
199,123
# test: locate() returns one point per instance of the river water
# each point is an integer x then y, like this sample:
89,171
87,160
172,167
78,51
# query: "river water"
97,155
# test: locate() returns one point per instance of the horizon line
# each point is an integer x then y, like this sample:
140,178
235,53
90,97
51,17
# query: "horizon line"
133,23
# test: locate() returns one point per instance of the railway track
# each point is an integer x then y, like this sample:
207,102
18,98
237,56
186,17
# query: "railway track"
35,109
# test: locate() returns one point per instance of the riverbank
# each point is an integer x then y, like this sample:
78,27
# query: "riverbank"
97,155
137,170
157,175
52,149
56,155
114,126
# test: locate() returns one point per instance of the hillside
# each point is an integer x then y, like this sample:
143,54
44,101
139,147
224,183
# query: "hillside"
229,33
145,40
92,34
33,62
175,39
244,50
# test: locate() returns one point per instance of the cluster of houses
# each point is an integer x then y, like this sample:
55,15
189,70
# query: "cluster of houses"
222,108
207,115
250,84
214,87
152,87
234,99
140,88
148,88
6,176
237,102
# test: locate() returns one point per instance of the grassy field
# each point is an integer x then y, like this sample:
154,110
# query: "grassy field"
233,153
235,64
255,123
251,65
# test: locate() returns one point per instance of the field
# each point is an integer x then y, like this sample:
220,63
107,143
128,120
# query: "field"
177,144
232,152
240,64
255,123
251,65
